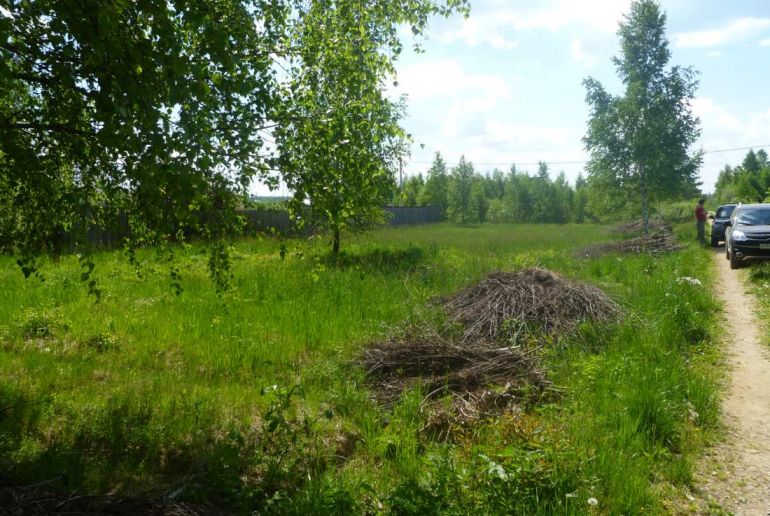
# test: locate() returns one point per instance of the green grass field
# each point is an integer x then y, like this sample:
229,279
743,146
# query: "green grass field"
250,400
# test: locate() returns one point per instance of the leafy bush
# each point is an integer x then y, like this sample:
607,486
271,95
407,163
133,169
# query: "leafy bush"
41,323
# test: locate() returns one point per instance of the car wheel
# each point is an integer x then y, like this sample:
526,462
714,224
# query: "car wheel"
727,251
734,262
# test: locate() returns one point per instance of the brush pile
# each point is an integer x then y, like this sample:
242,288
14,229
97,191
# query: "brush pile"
443,366
507,304
474,359
657,241
40,500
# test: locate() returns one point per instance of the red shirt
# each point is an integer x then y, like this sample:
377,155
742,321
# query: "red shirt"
700,214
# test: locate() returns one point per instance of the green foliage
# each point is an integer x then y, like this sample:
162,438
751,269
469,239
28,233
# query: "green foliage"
478,201
678,211
639,142
339,141
144,108
288,451
158,112
411,191
41,324
748,182
580,200
517,197
641,385
460,208
379,259
435,192
148,392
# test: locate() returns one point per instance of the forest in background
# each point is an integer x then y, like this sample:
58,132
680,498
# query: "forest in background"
747,182
470,196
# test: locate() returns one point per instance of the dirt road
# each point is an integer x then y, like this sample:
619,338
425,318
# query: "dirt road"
736,474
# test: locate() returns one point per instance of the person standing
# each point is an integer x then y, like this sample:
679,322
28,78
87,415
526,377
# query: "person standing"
700,220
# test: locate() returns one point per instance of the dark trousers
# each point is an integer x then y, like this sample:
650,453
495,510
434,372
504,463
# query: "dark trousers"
701,226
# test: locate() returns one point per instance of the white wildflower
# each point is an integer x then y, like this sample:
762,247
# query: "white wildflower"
593,502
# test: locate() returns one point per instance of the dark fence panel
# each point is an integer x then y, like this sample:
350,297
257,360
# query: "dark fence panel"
410,215
269,220
264,220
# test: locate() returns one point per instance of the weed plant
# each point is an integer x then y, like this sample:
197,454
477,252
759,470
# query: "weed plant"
248,399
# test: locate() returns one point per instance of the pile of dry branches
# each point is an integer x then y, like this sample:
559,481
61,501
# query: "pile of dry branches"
655,242
39,499
508,303
482,377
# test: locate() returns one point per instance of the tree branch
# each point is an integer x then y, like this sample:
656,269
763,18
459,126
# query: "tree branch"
59,127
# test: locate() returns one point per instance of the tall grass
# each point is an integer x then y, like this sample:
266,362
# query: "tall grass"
149,392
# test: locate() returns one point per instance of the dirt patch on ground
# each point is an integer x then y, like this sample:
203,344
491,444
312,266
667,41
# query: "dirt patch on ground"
507,304
736,474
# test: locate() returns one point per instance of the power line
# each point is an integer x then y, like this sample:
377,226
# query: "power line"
575,162
737,149
505,163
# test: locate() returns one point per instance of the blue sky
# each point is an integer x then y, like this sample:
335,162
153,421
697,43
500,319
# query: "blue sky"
504,85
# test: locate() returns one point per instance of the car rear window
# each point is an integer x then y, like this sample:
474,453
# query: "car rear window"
724,212
754,216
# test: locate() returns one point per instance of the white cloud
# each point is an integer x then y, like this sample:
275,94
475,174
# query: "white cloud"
765,42
738,29
530,143
449,102
494,23
714,53
499,144
723,129
465,113
579,55
447,78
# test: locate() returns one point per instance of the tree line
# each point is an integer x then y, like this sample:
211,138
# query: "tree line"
468,196
747,182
